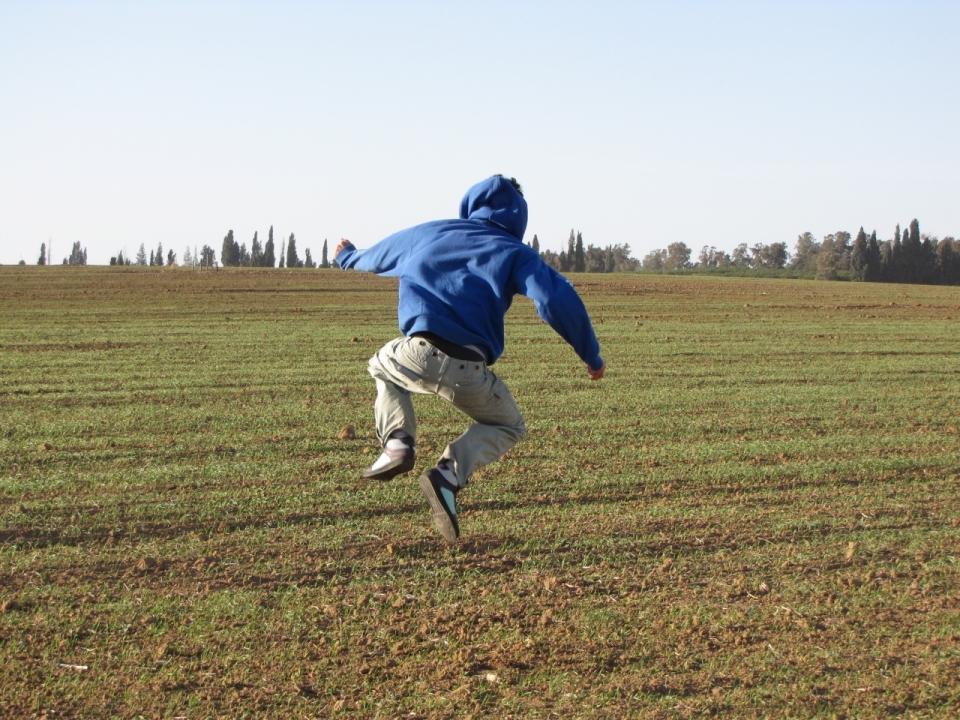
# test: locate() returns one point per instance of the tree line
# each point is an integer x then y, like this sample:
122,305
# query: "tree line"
77,256
907,257
677,257
234,254
592,259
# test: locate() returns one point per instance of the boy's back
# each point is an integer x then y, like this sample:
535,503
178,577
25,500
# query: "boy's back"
457,281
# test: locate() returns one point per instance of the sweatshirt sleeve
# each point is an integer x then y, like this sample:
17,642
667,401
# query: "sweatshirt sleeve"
560,307
381,259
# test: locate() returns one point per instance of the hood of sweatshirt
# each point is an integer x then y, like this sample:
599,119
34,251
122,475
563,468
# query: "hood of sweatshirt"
496,201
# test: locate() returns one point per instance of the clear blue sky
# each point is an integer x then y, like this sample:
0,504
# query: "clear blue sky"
642,123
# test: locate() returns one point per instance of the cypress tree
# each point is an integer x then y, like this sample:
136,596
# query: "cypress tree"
564,262
269,256
927,270
535,244
571,250
229,251
256,252
886,265
292,259
78,255
858,258
152,263
873,258
282,253
324,263
581,260
159,255
896,257
954,273
43,254
955,252
945,260
907,258
912,259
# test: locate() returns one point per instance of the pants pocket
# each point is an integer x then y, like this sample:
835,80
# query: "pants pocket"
474,391
413,353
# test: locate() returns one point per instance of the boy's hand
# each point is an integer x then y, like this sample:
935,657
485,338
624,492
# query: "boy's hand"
344,243
597,374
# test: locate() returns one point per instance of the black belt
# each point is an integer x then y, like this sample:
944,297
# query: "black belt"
452,349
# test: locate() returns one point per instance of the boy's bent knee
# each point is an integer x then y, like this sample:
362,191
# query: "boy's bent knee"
518,430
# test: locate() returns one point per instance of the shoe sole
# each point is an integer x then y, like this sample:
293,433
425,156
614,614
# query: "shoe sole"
448,527
390,470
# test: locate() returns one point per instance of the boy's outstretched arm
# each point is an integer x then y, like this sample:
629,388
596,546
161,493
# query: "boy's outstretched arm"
383,258
561,307
342,245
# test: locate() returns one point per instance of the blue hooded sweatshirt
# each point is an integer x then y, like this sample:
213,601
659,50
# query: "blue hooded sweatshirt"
458,277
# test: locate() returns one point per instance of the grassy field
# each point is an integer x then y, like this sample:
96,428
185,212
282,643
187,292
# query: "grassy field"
756,514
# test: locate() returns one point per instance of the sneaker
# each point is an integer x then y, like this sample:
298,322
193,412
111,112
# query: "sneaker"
442,498
398,457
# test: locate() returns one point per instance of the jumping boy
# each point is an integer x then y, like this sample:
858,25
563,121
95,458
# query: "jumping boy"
457,281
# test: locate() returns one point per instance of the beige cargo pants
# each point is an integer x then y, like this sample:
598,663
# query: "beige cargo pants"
412,365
